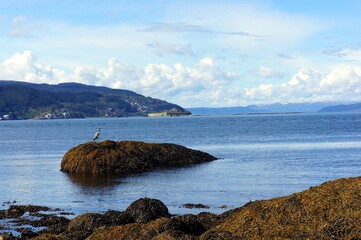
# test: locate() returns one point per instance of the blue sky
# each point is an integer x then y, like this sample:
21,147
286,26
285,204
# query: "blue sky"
193,53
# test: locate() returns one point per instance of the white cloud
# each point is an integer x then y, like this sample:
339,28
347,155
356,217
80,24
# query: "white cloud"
22,28
205,77
123,75
341,84
343,81
24,66
266,72
204,83
172,83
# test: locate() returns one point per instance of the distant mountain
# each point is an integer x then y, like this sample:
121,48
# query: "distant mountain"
266,108
343,108
22,100
291,107
224,110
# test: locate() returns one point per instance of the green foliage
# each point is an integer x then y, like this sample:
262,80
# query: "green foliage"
22,100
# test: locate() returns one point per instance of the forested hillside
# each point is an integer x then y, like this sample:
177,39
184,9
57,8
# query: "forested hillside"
21,100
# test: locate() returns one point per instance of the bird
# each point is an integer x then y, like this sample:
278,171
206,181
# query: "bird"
96,135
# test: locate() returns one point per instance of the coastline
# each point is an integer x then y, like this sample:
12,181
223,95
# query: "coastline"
330,210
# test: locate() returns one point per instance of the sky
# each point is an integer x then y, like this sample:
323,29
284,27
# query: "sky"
192,53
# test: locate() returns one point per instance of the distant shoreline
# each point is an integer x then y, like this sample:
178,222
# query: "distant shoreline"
192,115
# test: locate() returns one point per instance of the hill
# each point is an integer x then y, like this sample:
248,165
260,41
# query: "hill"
343,108
291,107
269,108
22,100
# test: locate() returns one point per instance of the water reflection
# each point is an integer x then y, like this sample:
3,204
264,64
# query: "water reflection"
93,181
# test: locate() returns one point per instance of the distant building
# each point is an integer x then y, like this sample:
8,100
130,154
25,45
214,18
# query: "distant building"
170,113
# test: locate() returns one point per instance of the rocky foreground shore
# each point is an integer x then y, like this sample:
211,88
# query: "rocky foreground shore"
329,211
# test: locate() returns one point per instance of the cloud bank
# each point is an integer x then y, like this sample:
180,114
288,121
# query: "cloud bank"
204,83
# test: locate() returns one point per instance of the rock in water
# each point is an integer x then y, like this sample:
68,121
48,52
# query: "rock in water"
128,157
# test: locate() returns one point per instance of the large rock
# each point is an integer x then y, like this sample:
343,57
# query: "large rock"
128,157
130,231
329,211
146,209
187,224
84,225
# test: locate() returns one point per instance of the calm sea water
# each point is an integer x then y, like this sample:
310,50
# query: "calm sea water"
262,156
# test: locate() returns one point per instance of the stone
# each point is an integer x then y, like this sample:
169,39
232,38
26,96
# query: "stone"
146,209
116,218
187,224
130,231
329,211
84,225
174,235
7,236
128,157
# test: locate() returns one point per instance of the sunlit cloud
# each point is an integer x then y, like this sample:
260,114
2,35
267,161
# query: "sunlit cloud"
203,83
307,85
266,72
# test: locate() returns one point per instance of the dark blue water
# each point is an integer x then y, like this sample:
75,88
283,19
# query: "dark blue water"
262,156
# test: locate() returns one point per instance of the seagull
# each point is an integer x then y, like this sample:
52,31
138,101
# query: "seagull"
96,135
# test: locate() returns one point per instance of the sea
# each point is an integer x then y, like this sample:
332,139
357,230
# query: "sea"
260,157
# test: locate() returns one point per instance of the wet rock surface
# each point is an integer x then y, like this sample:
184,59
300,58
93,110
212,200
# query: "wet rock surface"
15,211
145,218
147,209
128,157
28,222
329,211
194,205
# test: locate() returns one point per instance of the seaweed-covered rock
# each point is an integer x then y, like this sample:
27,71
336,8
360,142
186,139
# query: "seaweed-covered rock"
130,231
83,225
114,218
27,233
54,224
329,211
187,224
146,209
219,235
49,236
128,157
16,211
7,236
174,235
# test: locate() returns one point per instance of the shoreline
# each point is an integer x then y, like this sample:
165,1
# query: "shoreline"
186,116
330,210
